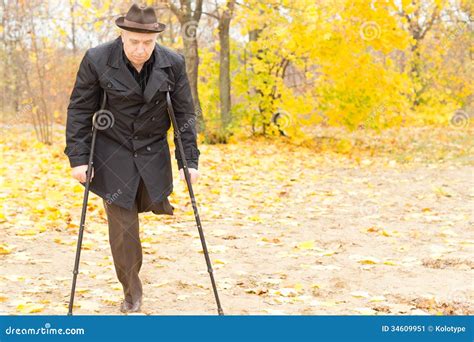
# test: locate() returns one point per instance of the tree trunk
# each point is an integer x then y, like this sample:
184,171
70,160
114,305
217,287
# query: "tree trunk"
189,20
72,7
224,65
192,69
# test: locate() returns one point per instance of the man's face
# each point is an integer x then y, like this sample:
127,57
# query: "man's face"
138,47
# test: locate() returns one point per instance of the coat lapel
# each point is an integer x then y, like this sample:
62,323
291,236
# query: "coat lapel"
158,80
122,74
158,77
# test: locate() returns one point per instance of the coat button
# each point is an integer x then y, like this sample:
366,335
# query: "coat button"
135,154
153,118
157,101
135,137
148,148
109,85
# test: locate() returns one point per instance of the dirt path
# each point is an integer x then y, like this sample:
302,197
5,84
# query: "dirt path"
289,231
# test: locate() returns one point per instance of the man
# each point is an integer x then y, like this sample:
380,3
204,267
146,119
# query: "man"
132,164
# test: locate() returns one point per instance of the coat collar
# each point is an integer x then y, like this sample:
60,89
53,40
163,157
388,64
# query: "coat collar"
157,79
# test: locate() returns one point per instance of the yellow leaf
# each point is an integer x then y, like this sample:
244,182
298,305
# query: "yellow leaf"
255,218
87,245
298,287
26,232
219,262
369,261
82,290
4,250
78,189
390,263
86,3
378,299
372,230
286,292
360,294
30,308
274,240
306,245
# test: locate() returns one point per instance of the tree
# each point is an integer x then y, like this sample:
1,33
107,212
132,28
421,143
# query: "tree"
420,17
189,21
225,17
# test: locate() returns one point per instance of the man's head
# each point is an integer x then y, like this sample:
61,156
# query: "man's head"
138,46
140,29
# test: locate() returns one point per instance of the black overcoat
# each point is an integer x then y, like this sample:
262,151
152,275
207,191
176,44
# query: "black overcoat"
136,145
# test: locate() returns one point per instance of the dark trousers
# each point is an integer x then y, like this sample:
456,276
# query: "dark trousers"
125,242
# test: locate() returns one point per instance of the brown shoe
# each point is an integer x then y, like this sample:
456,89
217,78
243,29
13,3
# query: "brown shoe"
126,307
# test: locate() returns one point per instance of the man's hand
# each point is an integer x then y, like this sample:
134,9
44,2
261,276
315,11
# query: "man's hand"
193,173
79,173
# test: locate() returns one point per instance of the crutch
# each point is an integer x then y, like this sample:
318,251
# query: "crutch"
101,120
193,200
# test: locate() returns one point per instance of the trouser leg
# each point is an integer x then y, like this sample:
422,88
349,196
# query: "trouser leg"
126,248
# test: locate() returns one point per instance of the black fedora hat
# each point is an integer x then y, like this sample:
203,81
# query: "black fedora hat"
140,19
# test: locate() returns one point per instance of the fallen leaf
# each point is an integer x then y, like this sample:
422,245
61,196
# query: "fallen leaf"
306,245
274,240
4,250
275,312
285,292
30,308
365,311
26,232
368,261
360,294
378,299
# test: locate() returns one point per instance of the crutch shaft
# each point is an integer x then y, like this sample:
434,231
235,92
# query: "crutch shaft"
193,201
82,222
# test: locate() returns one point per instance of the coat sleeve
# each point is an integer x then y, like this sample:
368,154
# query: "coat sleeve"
84,101
183,107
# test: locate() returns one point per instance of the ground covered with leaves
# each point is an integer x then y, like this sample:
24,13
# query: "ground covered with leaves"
348,223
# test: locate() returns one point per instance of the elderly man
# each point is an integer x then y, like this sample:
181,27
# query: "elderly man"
132,164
